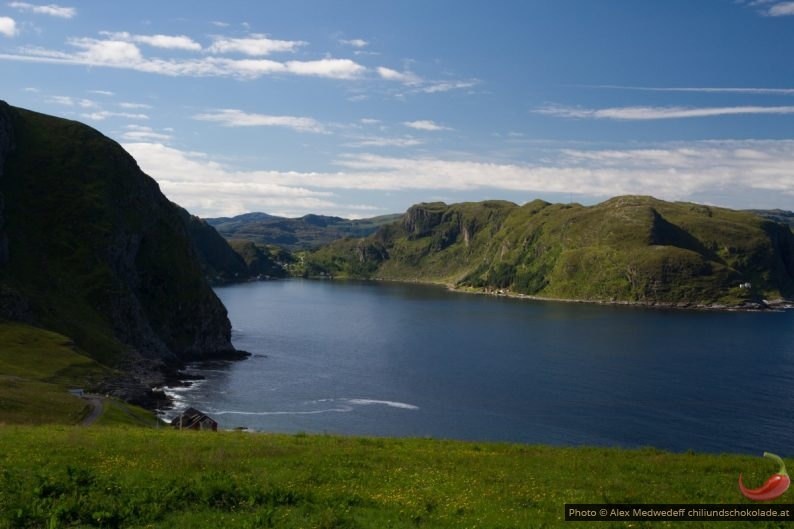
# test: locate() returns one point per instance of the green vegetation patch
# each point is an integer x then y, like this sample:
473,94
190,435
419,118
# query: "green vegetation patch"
124,477
37,367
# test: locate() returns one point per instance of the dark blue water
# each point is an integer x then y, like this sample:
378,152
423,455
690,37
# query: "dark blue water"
390,359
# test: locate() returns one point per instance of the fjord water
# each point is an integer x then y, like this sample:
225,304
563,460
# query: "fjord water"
389,359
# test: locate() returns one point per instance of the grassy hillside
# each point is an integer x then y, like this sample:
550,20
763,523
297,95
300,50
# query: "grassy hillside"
120,477
309,231
37,367
633,248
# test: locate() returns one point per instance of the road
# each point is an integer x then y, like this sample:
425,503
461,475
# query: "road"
97,407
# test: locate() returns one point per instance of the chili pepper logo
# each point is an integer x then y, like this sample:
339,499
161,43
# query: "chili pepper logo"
774,487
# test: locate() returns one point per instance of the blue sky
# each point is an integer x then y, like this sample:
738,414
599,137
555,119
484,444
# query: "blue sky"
360,108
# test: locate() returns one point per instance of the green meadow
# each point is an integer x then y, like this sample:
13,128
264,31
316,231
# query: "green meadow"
120,476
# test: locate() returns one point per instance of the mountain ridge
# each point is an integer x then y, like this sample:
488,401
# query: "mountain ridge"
299,233
634,249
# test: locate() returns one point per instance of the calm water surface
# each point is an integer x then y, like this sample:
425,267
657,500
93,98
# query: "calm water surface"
391,359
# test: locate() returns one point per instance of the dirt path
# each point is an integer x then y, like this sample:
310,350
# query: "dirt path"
97,407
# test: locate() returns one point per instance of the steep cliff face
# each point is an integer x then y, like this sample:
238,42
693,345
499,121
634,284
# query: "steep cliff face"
96,251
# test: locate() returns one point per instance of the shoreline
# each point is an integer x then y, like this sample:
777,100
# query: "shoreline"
750,306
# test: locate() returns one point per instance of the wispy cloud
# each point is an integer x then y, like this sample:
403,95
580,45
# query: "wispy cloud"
104,114
71,101
706,90
433,87
128,105
651,113
425,124
418,85
8,27
106,93
53,10
382,141
237,118
138,133
356,43
780,10
173,42
394,75
255,45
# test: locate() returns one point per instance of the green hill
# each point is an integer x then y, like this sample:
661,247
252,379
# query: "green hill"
626,249
91,249
309,231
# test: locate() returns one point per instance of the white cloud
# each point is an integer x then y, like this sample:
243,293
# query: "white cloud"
102,92
334,68
356,43
126,55
8,27
369,121
425,124
49,9
174,42
394,75
106,52
208,188
669,171
781,9
237,118
650,113
255,45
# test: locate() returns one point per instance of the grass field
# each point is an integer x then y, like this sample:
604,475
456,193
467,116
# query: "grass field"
57,476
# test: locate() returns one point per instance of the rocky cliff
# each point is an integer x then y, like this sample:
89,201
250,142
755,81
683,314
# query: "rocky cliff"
93,249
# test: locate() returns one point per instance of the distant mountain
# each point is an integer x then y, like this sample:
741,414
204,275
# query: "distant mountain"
631,248
91,249
777,215
309,231
224,262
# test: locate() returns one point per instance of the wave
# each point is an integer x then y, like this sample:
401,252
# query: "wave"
391,404
312,412
347,405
